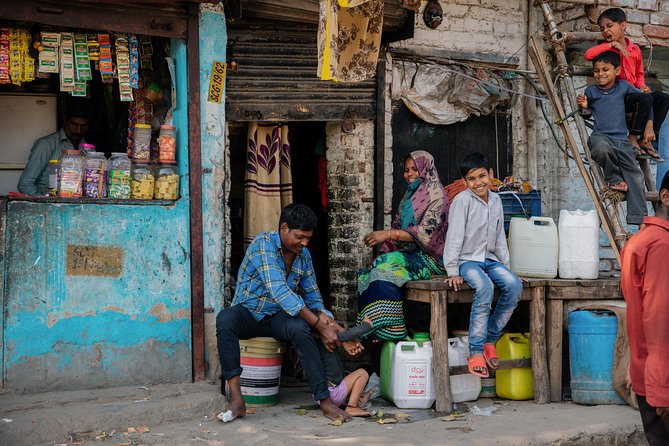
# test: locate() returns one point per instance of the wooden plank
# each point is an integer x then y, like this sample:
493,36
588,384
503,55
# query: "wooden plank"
117,18
583,282
538,346
195,191
577,293
503,365
544,76
554,322
418,295
439,336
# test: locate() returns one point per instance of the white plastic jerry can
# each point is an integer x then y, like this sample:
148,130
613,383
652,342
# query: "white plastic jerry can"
579,244
463,387
533,247
412,378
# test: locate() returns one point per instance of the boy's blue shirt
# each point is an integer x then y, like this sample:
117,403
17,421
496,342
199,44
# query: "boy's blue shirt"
608,108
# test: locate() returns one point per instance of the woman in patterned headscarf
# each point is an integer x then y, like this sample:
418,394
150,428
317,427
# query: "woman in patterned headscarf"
412,248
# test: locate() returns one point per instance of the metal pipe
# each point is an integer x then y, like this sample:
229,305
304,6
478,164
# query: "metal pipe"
576,70
581,36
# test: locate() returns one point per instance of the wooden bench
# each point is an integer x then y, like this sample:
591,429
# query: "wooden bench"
439,295
577,292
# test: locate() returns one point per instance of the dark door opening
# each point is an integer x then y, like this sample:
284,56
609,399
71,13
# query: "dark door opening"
307,141
448,144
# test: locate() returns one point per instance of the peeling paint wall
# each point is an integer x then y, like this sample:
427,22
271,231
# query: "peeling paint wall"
115,313
215,179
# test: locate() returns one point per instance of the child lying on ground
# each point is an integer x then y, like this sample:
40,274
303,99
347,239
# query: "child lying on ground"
347,390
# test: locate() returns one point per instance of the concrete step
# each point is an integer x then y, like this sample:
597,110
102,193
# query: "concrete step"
53,417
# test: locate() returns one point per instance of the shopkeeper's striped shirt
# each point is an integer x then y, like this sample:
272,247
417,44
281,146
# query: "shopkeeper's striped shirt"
262,285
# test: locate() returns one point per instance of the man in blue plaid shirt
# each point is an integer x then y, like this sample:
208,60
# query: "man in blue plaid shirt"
277,296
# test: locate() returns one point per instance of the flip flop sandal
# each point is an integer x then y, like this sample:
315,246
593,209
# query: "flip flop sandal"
490,353
477,361
620,187
639,153
651,153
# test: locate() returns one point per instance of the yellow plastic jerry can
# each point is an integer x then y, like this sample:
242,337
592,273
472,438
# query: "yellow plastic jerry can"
514,384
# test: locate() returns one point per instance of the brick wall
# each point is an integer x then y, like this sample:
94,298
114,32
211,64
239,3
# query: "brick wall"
350,175
496,27
644,17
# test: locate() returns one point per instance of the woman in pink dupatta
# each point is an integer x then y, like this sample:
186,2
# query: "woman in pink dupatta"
412,249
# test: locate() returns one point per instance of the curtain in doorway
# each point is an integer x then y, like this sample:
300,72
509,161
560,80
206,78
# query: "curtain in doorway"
349,39
268,184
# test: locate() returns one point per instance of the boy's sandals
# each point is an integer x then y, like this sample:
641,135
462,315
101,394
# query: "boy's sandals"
650,152
620,187
490,355
640,154
477,362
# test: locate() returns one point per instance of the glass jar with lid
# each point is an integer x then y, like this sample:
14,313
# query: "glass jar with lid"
118,179
167,181
70,174
167,143
142,181
95,175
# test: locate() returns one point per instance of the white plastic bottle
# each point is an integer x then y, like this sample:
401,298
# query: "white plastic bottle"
463,387
412,377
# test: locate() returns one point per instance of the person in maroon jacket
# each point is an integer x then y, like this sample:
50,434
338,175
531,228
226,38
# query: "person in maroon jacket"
645,285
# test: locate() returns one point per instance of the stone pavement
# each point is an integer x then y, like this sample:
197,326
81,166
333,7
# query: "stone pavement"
184,414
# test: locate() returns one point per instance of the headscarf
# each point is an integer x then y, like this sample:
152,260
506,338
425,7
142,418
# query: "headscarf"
423,210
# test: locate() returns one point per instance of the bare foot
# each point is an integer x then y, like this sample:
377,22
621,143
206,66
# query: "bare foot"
237,409
355,411
333,412
364,398
353,348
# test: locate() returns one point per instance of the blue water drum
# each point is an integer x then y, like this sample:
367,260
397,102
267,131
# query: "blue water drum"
592,335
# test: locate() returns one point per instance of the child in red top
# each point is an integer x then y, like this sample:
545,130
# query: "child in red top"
612,24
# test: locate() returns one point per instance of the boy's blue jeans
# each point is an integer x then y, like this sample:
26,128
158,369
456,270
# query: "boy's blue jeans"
482,277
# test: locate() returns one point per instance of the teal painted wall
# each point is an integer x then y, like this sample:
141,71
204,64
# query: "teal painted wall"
213,42
65,331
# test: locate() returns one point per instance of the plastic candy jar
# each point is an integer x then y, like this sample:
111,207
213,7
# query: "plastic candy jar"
52,173
70,174
142,181
95,175
167,181
118,180
167,143
142,149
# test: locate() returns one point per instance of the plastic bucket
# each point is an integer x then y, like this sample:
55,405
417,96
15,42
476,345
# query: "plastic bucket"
261,370
592,335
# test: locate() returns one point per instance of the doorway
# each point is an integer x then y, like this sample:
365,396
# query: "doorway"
307,145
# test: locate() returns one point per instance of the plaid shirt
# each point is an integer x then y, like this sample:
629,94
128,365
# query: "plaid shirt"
263,287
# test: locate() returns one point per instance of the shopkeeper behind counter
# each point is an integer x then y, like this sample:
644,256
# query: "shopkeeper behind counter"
34,179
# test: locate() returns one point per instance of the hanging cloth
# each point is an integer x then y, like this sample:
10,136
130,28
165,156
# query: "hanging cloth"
349,39
268,184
